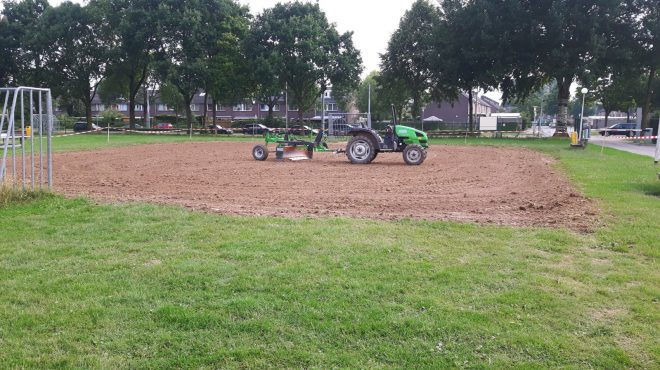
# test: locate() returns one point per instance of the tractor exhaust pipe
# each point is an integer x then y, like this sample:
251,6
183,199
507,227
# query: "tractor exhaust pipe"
393,114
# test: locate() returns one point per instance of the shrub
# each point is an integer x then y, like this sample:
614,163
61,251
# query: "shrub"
66,121
111,117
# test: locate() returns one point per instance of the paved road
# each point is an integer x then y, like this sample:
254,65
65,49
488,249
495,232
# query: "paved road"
618,142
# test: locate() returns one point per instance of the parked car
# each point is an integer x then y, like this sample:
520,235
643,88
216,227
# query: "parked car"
164,125
81,126
217,129
302,130
127,126
255,129
628,129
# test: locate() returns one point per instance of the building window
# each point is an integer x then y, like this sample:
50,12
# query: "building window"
293,108
98,107
331,107
243,107
122,107
264,107
209,107
220,108
328,93
162,108
194,107
138,107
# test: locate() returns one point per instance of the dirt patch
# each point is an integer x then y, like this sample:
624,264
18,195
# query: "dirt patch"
508,186
607,314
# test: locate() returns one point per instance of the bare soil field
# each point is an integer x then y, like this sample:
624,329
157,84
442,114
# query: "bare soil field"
507,186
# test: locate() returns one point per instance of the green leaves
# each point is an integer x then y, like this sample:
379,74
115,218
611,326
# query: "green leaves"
408,61
296,43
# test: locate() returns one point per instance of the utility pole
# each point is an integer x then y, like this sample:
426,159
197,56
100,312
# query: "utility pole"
657,146
286,106
540,123
323,111
369,113
147,119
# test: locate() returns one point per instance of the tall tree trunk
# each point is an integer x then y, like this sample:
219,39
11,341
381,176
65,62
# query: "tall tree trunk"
607,116
134,86
189,114
88,113
214,109
301,113
131,102
471,110
271,110
628,115
206,99
131,112
646,108
563,95
144,106
87,101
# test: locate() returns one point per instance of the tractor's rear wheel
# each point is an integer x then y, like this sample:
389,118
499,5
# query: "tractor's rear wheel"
360,150
260,152
414,155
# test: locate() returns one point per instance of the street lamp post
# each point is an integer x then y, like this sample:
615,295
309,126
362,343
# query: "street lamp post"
584,94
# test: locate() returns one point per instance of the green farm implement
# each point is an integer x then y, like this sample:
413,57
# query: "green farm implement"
363,146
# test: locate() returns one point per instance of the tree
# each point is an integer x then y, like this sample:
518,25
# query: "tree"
644,17
408,59
314,56
171,96
461,60
557,40
6,49
78,52
617,93
23,44
384,94
200,42
135,35
267,66
379,107
544,99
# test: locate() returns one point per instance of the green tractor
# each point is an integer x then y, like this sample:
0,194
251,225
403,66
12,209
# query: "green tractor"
362,148
366,143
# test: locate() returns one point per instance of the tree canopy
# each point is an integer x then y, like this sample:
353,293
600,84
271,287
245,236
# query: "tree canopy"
78,51
200,41
410,53
307,52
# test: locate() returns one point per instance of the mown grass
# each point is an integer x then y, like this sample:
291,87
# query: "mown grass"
145,286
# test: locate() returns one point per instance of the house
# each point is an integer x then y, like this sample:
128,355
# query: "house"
245,110
458,110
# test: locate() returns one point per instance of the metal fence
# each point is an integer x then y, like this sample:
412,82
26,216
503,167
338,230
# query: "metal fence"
28,113
338,124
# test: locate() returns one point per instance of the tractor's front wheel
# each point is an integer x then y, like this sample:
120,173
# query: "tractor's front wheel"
360,150
414,155
260,152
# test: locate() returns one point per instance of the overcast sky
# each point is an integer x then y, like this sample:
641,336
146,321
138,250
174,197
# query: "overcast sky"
372,21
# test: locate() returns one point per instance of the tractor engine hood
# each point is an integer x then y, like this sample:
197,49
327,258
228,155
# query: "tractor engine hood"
409,132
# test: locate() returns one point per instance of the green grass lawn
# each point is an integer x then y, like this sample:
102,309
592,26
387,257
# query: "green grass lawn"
144,286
